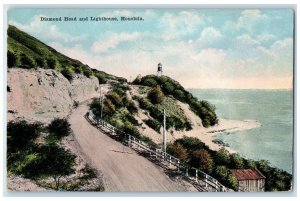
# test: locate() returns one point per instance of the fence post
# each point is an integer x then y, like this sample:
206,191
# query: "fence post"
196,175
170,160
187,172
178,165
216,185
129,141
206,181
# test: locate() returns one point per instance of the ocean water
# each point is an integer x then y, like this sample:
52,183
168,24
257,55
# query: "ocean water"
272,108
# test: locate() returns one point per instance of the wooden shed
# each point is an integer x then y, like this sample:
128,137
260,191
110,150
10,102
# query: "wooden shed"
250,180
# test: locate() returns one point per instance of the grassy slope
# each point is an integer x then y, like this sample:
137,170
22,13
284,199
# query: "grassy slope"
19,42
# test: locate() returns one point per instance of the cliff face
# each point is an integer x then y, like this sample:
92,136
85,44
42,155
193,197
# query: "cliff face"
44,94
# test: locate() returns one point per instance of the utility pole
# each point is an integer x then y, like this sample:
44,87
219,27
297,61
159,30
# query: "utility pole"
101,102
164,147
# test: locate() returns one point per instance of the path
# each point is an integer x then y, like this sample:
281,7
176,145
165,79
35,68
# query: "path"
122,168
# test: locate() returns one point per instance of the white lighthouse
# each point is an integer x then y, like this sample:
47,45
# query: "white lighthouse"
159,69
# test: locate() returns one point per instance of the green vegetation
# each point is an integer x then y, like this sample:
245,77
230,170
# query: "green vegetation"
219,164
168,86
119,111
154,124
58,129
30,157
175,117
202,159
155,95
25,51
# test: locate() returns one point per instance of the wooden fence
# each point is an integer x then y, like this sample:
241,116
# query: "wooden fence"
201,180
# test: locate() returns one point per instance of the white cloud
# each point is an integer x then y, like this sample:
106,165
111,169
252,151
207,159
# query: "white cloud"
246,40
210,37
180,24
113,41
249,18
46,31
266,37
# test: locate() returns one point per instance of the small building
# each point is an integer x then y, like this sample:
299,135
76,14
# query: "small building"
250,180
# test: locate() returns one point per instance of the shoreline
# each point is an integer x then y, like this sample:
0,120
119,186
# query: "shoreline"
229,126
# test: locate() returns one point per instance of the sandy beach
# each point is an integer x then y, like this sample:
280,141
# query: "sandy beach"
206,135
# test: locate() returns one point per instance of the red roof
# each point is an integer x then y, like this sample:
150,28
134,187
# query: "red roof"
248,174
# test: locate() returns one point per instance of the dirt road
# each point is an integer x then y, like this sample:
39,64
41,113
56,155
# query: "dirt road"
122,168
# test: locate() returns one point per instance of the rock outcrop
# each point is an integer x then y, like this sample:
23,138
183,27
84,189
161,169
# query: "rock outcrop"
44,94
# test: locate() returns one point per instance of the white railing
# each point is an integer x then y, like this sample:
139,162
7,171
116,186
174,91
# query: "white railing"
200,179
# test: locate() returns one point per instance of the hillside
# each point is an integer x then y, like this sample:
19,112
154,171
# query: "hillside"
25,51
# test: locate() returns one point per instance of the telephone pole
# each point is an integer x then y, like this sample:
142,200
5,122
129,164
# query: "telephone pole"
164,146
101,102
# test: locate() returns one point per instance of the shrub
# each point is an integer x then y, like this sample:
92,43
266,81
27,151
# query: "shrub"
40,62
236,162
131,130
191,144
12,59
178,151
21,135
168,87
108,107
26,61
59,128
154,124
222,157
87,71
101,77
114,98
88,173
68,73
179,94
156,95
232,182
150,82
131,107
52,63
202,160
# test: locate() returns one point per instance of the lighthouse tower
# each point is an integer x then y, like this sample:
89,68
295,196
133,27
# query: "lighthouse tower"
159,70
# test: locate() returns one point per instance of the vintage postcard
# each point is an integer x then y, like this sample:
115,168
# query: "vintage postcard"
150,100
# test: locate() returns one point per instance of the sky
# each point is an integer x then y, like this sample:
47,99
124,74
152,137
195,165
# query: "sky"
200,48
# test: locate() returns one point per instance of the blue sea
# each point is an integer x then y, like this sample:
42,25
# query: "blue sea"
272,108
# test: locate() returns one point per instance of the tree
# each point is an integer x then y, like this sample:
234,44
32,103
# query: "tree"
56,162
156,95
59,128
222,157
236,161
202,159
232,182
12,59
21,135
178,151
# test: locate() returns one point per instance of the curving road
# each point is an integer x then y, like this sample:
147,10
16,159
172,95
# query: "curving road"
123,169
